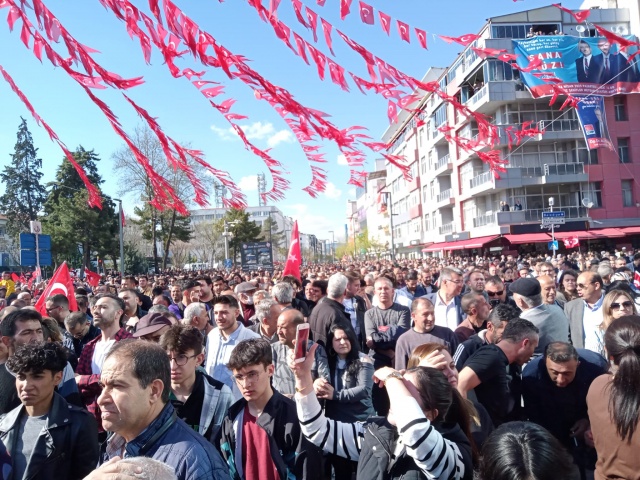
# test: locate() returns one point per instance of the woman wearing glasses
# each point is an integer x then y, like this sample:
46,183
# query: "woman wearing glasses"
616,304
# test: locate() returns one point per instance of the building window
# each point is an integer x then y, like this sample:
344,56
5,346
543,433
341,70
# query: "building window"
627,193
594,194
588,157
620,107
623,150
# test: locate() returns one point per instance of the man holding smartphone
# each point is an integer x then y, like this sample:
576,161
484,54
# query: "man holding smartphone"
261,436
287,326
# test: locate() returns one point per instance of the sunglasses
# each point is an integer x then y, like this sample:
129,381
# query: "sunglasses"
495,294
616,306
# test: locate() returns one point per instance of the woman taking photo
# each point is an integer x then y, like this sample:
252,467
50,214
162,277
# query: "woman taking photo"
568,286
617,304
423,434
614,403
348,396
437,356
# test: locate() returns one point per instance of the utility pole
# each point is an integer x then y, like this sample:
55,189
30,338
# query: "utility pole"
121,234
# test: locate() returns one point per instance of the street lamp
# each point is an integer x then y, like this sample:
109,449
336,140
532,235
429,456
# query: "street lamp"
227,234
553,235
333,247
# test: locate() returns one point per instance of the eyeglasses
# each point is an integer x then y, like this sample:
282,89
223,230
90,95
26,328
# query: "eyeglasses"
52,309
251,377
495,294
616,306
457,282
582,285
181,360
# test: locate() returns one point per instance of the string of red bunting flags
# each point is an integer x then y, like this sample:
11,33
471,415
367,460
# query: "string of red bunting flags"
174,35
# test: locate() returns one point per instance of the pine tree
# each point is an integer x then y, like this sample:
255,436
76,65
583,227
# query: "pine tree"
24,195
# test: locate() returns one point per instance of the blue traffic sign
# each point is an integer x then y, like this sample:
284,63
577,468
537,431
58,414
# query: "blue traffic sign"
28,241
228,263
28,258
553,245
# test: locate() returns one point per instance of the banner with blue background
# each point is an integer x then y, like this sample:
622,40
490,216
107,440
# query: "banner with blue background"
580,65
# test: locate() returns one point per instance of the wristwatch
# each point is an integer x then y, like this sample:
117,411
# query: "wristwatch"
393,374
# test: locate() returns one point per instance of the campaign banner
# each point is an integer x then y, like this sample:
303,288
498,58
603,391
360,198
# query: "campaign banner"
593,120
580,65
256,255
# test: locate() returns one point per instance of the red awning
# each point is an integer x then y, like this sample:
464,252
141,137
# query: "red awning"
528,238
630,230
607,232
436,247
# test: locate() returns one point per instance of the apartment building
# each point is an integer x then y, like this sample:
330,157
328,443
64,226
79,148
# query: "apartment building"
454,201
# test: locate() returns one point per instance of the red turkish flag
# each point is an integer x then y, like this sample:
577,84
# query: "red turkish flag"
124,223
93,278
403,29
61,282
326,29
636,279
580,15
571,242
422,38
385,21
345,8
392,112
613,38
366,14
15,278
294,259
463,40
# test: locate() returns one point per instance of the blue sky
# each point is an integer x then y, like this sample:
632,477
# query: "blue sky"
186,116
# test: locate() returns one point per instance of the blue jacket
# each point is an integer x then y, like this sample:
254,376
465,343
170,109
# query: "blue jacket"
170,440
420,292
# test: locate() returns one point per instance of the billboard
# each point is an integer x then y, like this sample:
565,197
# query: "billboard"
590,111
580,65
256,255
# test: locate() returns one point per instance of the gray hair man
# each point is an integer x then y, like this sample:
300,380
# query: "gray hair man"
550,319
446,301
267,312
196,314
329,311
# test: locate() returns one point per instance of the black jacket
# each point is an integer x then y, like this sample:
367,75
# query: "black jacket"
378,447
326,313
293,455
66,448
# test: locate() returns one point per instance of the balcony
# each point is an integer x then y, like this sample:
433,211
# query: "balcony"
443,165
446,229
563,129
484,220
547,173
481,180
494,94
445,198
535,214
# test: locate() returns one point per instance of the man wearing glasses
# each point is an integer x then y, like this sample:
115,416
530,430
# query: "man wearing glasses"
199,400
497,292
446,301
260,436
585,313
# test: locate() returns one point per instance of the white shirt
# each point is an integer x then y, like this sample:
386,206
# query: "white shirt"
591,320
446,313
101,350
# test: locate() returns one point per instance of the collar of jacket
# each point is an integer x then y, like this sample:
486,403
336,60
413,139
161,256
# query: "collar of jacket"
58,415
133,447
271,409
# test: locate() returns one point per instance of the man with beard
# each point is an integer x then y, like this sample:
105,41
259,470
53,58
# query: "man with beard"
107,313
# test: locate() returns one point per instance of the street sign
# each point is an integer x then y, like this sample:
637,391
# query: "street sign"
28,258
228,263
36,227
28,249
553,218
553,245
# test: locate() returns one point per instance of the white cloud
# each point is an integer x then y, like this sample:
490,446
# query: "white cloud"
342,160
279,137
332,191
224,133
256,131
248,183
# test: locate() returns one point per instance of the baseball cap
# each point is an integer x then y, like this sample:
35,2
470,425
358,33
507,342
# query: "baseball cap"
151,323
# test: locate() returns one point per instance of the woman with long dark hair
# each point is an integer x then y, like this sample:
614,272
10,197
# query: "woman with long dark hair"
614,403
568,286
425,433
348,395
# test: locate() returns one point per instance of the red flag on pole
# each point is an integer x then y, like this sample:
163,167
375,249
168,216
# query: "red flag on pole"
122,218
571,242
61,282
294,259
93,278
15,278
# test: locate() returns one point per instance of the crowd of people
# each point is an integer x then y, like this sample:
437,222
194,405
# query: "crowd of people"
445,368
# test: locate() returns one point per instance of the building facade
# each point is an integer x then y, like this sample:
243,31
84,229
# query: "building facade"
455,202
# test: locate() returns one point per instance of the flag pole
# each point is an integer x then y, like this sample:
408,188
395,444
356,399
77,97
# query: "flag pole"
121,235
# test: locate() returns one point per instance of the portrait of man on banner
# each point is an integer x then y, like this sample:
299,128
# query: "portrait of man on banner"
593,121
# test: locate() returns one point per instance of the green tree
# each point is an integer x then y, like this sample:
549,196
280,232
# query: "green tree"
167,226
24,195
271,233
242,229
134,261
134,180
371,245
77,231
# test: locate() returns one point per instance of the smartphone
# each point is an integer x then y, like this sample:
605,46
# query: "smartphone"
302,340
